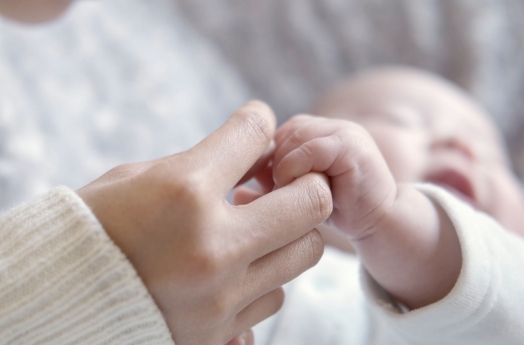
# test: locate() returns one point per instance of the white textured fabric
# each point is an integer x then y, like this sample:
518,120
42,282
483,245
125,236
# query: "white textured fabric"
63,281
327,306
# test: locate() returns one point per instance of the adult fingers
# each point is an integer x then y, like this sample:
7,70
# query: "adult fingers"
283,265
284,215
265,179
228,153
259,310
300,135
260,165
244,195
247,338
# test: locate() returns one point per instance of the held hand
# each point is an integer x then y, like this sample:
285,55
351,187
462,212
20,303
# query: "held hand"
362,185
405,241
214,269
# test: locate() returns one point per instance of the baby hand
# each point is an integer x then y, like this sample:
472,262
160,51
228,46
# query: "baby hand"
363,188
417,259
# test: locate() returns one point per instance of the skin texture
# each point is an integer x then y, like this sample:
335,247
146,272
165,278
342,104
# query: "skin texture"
422,125
211,268
214,269
394,127
33,11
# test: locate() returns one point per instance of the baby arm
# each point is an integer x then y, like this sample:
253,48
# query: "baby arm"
405,241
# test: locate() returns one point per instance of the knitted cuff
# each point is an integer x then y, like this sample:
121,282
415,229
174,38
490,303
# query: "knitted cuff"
63,281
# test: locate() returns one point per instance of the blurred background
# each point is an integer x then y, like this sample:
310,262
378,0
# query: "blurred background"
290,50
114,81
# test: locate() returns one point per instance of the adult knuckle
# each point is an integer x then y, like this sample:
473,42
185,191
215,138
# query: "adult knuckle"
183,187
256,124
189,187
208,262
220,308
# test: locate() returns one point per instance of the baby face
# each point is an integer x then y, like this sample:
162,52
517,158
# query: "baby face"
430,131
33,11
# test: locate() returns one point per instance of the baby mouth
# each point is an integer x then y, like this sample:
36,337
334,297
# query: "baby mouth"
456,183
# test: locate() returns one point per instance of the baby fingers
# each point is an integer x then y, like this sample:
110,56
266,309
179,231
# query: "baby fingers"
317,155
299,130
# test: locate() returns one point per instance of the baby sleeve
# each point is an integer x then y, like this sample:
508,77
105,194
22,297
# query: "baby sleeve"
63,281
486,306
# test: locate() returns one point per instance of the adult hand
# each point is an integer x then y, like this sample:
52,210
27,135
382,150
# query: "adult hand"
214,269
247,338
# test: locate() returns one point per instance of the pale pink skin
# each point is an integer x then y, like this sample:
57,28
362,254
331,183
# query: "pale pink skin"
406,126
423,125
413,128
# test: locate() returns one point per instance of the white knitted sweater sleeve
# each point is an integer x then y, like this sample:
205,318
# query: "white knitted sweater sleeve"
63,281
